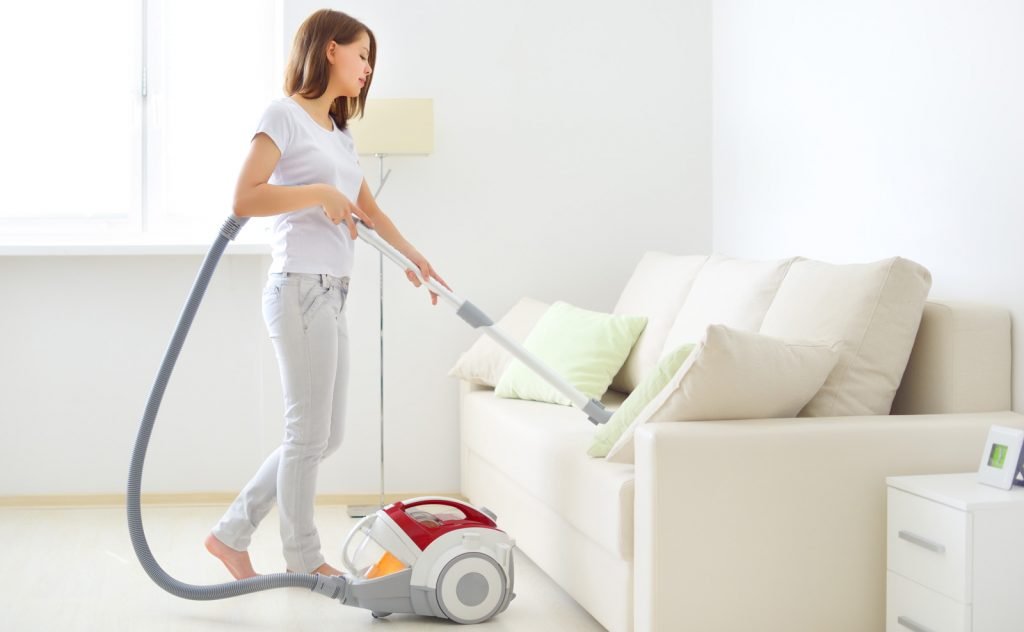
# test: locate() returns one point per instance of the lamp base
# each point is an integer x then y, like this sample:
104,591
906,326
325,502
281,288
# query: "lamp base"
361,511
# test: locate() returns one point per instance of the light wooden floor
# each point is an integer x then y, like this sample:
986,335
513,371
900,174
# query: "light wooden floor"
72,569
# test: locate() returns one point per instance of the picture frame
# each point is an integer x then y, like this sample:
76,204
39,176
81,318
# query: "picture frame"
1002,457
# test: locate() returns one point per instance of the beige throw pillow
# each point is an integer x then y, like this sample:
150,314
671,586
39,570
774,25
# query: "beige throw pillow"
735,374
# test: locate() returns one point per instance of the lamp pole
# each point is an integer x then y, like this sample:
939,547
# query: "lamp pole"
359,511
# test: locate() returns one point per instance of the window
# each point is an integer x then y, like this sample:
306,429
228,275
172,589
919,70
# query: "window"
128,117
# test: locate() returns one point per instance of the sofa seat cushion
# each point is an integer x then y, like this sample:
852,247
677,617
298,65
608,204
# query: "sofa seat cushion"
543,448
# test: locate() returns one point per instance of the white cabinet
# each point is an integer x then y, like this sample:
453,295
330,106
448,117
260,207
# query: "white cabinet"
955,555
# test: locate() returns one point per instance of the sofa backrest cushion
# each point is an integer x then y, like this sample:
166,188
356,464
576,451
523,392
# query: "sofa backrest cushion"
727,291
872,309
657,289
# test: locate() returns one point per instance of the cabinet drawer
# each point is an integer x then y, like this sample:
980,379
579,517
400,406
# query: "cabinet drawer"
910,607
928,543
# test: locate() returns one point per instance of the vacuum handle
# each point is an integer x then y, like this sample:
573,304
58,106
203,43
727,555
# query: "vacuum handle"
372,237
361,527
593,408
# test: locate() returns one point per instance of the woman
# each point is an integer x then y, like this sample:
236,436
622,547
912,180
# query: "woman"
303,169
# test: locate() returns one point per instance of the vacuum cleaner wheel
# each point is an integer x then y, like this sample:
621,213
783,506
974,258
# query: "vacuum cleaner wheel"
471,588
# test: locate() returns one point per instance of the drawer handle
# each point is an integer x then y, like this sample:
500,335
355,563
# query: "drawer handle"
910,624
931,545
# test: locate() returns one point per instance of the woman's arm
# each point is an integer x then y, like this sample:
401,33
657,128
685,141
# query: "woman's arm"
254,197
387,229
384,226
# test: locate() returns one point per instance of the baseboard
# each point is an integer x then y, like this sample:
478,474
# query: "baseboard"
192,499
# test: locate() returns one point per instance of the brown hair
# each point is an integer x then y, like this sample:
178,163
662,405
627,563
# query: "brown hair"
308,69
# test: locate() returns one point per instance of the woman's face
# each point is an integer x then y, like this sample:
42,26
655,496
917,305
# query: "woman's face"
350,66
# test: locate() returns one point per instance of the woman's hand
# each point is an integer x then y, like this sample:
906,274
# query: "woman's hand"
339,208
426,271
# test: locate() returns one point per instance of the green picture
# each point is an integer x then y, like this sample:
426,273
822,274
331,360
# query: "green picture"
998,456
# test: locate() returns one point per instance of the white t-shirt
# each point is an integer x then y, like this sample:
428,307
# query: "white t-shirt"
305,240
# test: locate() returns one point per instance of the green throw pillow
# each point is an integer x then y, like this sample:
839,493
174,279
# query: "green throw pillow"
586,348
607,434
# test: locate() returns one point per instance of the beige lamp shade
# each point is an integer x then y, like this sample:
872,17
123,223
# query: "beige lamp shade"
395,127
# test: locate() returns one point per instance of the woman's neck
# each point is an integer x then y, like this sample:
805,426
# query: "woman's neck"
319,108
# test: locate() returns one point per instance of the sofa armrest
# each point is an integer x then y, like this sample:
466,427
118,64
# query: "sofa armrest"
779,524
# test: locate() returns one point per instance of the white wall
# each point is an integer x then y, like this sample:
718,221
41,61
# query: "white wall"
854,131
567,144
570,138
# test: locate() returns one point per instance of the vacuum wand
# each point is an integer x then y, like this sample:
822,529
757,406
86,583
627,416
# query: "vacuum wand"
477,319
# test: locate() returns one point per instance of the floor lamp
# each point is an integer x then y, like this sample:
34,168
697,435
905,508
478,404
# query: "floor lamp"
390,127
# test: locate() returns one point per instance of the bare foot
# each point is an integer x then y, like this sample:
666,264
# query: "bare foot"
327,569
237,562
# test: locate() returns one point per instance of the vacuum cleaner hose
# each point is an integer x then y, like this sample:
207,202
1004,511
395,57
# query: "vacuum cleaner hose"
333,587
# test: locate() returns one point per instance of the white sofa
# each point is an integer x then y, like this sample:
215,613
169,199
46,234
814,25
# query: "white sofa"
760,524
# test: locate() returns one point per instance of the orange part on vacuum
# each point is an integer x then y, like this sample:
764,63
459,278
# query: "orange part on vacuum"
386,565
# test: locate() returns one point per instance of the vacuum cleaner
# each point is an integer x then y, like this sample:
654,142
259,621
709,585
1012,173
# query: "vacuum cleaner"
430,556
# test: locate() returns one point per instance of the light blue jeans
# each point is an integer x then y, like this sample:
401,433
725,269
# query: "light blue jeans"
305,317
